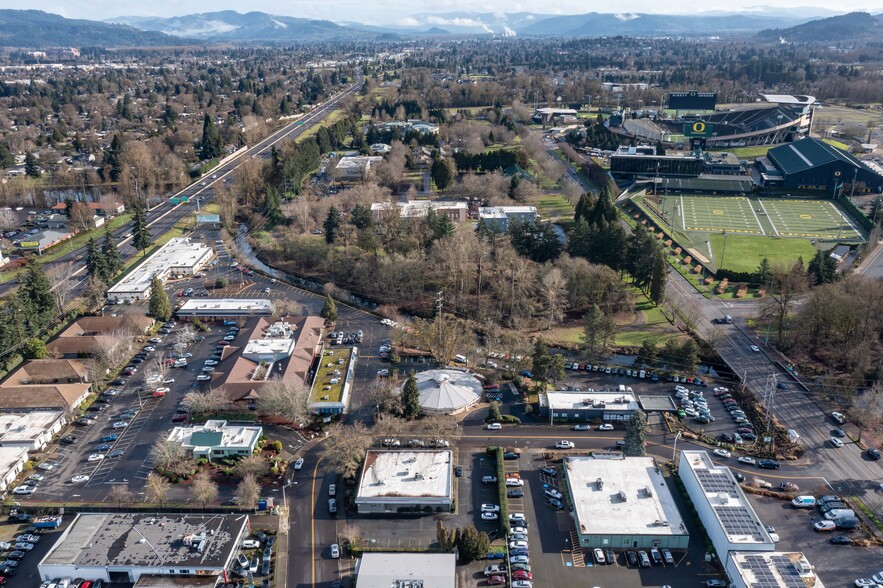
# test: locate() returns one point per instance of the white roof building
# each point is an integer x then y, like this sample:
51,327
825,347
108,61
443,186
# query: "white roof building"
499,217
447,391
225,307
411,570
623,502
356,167
728,517
567,406
179,256
12,462
406,481
30,430
457,211
215,439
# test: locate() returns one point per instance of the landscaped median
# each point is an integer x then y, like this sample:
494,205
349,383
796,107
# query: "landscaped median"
503,497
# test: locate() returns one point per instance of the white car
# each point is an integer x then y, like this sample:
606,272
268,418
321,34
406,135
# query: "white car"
747,460
518,530
519,559
47,466
514,482
120,425
210,362
599,556
822,526
490,508
518,545
163,389
489,516
582,428
251,544
79,479
494,426
865,583
96,457
335,551
836,442
755,348
383,373
722,453
299,463
773,535
606,427
203,378
564,444
24,490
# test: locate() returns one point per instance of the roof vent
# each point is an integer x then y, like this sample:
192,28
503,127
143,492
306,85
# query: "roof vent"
622,496
600,483
723,497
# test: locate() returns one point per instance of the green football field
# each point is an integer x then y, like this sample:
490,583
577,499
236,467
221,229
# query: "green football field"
770,217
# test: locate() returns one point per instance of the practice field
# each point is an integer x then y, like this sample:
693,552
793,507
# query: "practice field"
771,217
814,219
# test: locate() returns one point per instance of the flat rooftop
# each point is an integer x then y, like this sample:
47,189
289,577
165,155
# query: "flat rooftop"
147,540
412,570
216,434
598,400
226,305
734,513
774,569
26,426
406,474
10,456
632,497
180,252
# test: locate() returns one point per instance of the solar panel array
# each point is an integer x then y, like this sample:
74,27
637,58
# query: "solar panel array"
788,575
737,520
716,482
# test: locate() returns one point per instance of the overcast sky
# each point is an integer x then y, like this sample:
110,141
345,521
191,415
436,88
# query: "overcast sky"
392,11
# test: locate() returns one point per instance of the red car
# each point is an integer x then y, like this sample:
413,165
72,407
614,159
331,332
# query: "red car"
521,575
496,581
492,387
158,394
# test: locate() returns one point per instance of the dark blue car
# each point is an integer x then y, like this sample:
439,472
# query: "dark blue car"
103,447
109,438
495,555
525,373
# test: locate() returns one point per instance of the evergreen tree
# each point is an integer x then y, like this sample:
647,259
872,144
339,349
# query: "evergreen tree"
636,435
329,311
822,268
32,170
763,273
95,262
535,240
141,238
360,217
648,353
513,186
441,173
541,360
210,145
598,331
472,545
331,224
35,348
36,297
7,159
410,397
658,277
604,211
112,261
159,306
113,158
583,208
640,255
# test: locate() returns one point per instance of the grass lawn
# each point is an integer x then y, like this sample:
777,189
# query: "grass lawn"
333,366
837,144
551,206
744,253
332,118
210,208
750,152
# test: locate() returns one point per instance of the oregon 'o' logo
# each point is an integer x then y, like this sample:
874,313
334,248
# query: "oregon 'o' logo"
699,127
837,173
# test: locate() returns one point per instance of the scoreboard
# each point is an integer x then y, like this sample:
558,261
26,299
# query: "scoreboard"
692,100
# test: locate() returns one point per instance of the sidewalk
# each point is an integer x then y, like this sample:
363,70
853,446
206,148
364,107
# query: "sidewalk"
280,574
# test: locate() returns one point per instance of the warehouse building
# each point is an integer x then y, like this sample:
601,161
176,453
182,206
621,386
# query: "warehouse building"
123,547
212,309
811,164
406,481
731,522
12,463
773,569
581,407
31,430
406,570
623,503
178,257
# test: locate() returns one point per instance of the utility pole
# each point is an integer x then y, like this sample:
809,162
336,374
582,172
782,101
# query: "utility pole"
769,401
674,450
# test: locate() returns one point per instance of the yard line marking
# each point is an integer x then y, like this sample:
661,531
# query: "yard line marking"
767,215
683,220
844,217
751,207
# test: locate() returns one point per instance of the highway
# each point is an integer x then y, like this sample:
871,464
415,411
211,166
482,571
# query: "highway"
163,217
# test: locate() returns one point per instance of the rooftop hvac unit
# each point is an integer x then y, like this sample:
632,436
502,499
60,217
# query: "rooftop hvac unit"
622,496
649,491
723,497
600,483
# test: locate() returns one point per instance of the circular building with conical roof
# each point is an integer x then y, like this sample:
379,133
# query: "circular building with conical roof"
447,391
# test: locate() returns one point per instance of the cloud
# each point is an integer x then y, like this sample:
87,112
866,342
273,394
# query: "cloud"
457,22
408,21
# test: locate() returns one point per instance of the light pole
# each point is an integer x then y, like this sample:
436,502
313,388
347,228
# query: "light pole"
674,449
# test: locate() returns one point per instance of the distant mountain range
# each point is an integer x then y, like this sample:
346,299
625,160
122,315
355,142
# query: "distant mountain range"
36,29
844,27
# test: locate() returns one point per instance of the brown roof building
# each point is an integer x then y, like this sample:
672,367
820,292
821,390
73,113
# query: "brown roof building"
79,339
266,349
45,384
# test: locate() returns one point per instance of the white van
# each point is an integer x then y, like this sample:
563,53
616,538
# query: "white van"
793,436
804,502
460,358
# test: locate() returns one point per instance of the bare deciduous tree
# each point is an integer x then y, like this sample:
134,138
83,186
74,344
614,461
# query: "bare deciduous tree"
554,288
251,465
867,407
286,398
350,534
170,456
120,493
156,489
8,220
442,337
199,403
248,491
345,448
204,489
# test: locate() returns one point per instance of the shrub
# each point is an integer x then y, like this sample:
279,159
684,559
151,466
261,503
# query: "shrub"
221,283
